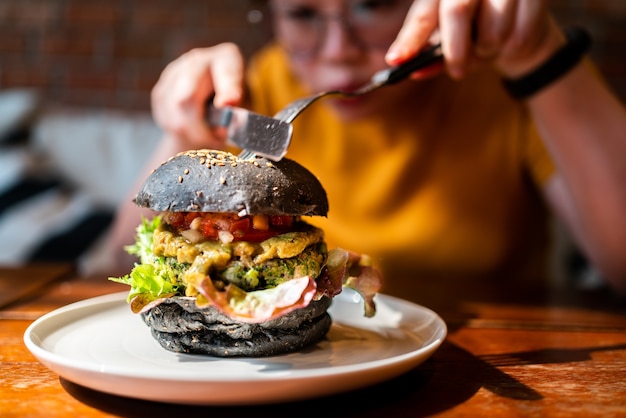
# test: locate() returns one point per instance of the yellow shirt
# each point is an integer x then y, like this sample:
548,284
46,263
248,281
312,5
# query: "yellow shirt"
448,189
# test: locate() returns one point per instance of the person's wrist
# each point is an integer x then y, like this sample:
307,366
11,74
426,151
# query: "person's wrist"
516,68
524,84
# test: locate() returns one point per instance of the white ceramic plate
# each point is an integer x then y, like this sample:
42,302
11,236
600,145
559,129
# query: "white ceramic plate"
99,343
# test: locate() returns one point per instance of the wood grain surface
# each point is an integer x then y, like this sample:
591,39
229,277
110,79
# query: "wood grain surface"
509,352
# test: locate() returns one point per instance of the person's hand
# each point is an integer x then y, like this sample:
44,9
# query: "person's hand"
180,95
515,35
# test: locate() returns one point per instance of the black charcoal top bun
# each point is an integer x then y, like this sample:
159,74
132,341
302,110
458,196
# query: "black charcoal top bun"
217,181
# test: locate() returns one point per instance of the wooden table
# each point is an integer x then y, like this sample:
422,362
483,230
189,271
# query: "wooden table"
509,352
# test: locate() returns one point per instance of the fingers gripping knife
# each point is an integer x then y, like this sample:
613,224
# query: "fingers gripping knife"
270,137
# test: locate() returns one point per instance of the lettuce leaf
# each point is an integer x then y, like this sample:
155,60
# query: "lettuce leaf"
154,277
143,246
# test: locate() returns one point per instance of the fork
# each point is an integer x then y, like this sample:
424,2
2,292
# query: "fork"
246,155
384,77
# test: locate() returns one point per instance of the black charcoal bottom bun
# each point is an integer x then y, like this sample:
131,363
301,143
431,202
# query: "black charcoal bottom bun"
180,326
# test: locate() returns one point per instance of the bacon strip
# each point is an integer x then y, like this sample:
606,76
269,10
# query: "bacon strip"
260,305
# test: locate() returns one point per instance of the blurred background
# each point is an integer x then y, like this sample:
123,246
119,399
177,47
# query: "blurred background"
109,53
75,80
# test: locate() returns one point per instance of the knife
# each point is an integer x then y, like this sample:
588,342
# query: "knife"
270,137
252,132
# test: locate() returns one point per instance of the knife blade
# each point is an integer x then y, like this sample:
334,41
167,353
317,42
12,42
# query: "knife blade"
252,132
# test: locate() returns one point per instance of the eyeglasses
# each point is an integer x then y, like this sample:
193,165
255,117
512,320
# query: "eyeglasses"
372,24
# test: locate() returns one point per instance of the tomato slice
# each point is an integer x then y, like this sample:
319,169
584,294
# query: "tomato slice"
176,219
258,235
241,227
189,217
208,230
281,220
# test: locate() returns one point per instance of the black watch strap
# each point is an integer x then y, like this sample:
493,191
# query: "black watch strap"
578,43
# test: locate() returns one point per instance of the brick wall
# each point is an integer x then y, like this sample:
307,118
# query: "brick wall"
109,53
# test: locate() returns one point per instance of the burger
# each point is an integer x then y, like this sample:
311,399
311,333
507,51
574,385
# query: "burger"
228,265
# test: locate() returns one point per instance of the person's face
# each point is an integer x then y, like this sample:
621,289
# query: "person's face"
339,45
